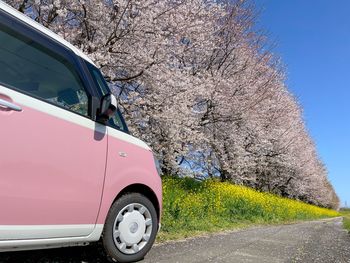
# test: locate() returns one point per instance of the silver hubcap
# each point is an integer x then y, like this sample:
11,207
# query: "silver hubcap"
132,228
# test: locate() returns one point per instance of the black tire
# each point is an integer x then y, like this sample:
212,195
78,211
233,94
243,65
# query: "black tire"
110,247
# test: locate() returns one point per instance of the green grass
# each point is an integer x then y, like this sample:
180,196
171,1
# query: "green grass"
192,208
346,218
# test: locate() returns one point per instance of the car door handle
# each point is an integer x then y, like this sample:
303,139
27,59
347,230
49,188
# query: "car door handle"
9,105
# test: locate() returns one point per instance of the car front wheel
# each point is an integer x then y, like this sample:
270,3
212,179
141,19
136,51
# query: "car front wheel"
130,228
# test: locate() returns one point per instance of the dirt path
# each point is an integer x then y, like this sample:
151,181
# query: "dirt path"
317,241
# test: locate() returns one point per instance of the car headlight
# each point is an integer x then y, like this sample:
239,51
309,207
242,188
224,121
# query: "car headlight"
157,164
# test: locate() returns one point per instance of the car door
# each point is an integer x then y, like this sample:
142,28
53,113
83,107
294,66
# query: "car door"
52,155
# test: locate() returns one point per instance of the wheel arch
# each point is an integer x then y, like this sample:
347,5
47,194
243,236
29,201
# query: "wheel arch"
144,190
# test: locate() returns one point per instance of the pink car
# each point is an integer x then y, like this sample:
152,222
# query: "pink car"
70,172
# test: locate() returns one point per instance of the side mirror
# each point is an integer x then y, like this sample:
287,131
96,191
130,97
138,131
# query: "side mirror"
108,107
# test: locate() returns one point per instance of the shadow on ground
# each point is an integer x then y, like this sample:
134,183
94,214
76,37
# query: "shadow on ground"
88,254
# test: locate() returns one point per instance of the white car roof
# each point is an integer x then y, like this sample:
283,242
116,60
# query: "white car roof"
8,9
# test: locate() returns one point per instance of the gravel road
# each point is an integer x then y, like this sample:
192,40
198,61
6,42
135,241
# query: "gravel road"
317,241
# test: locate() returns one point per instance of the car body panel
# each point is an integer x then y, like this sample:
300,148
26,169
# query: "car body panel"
52,170
127,164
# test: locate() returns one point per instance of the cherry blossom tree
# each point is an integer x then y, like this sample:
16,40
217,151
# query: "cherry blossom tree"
197,82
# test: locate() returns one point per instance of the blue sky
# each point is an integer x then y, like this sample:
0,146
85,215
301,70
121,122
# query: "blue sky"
313,40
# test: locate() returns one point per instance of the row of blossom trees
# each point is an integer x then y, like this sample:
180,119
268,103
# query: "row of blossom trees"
200,85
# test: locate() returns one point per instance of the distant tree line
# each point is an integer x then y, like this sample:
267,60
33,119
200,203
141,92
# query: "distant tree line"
199,83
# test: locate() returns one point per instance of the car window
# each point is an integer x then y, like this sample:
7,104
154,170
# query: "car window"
35,70
99,81
117,120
